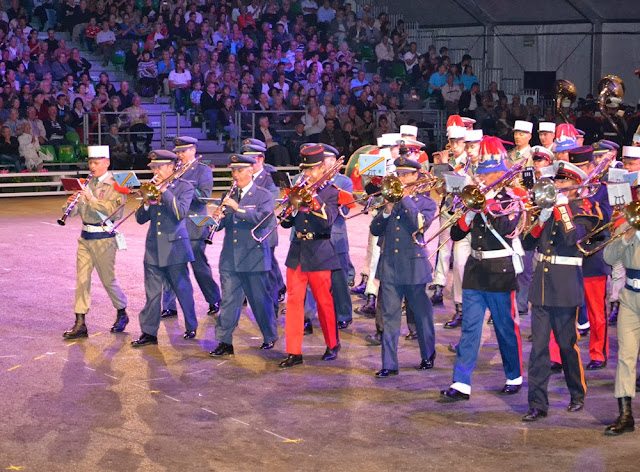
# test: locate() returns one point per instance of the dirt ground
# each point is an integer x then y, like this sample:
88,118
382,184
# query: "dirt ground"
99,405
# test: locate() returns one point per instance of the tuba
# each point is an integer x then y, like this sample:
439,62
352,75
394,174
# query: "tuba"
610,87
564,89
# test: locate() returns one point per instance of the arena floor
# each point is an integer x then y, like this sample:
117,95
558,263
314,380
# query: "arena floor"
98,405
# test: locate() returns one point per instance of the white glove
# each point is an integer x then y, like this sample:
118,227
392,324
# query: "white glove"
469,217
562,199
545,214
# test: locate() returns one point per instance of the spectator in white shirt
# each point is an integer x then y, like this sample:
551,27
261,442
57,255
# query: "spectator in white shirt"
451,95
106,39
180,83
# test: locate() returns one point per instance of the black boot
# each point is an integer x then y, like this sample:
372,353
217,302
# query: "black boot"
436,298
624,423
360,288
79,329
369,308
121,321
613,313
457,318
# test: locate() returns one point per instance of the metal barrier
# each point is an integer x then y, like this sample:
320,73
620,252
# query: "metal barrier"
102,123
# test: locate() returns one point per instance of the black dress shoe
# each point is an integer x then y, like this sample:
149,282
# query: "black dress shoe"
596,365
214,309
411,335
490,320
575,406
534,414
144,340
308,327
169,313
453,347
245,302
384,373
291,360
331,353
427,363
374,339
344,324
79,329
223,349
189,334
452,395
437,297
510,389
584,332
556,368
266,346
121,322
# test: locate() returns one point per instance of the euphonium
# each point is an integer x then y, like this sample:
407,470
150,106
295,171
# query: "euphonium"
631,213
564,90
610,86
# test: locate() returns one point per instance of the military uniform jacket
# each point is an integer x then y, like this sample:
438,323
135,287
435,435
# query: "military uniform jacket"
595,266
167,240
402,262
557,284
524,155
106,200
240,252
339,235
314,254
488,275
201,177
265,181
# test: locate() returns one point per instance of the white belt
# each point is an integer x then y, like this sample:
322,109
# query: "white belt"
92,229
633,283
479,255
560,260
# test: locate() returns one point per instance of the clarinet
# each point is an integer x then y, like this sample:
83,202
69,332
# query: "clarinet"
216,222
62,221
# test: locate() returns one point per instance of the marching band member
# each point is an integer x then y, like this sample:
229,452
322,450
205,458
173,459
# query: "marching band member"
244,262
457,159
340,239
557,292
262,177
310,260
97,248
594,270
404,270
521,136
167,250
201,177
489,281
546,134
627,251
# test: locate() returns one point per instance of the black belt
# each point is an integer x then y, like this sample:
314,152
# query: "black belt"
312,236
90,236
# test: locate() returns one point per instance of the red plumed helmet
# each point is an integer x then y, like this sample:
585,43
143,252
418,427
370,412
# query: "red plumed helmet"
492,146
566,130
455,120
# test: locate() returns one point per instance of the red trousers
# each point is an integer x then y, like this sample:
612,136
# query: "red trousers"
320,283
595,295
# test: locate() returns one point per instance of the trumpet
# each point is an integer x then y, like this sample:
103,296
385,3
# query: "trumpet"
300,198
151,193
631,213
63,220
218,219
392,190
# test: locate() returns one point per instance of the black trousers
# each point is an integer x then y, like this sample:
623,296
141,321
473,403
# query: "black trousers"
562,320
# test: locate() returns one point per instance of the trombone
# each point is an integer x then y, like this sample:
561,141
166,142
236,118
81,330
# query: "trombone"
471,199
63,220
392,190
151,193
216,221
631,213
300,197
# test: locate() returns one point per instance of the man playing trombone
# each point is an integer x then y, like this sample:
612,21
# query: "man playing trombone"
404,269
489,278
201,177
311,258
96,248
244,262
167,247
